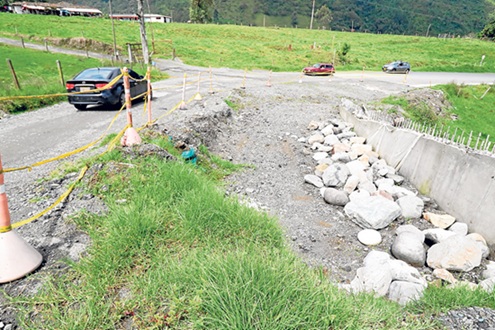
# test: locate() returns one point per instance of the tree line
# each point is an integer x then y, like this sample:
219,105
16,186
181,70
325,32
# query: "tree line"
420,17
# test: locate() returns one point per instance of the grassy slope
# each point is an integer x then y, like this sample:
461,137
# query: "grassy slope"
264,48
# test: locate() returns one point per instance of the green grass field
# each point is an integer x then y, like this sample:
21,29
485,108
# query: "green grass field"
270,48
37,73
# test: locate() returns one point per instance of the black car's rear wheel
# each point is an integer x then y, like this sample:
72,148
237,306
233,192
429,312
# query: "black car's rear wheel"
120,104
80,106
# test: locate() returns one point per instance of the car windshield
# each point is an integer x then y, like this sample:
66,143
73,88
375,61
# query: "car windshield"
96,73
317,65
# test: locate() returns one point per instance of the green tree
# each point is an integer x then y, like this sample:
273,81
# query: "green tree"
488,31
324,15
201,11
293,19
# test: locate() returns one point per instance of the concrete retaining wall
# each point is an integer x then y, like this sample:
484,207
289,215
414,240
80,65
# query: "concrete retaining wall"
462,183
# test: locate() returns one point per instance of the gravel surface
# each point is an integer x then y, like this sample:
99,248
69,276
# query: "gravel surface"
264,132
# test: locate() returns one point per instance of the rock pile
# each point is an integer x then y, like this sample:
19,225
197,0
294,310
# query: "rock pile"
350,174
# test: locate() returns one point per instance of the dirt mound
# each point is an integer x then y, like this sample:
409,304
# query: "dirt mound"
433,99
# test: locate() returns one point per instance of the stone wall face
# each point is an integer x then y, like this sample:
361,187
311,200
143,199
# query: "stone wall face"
462,183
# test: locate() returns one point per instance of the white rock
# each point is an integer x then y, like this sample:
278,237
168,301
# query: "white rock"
437,235
346,135
314,180
376,257
374,279
401,271
318,137
342,157
411,206
369,237
361,149
439,220
351,184
481,242
327,130
488,285
367,185
313,125
355,167
408,248
321,147
398,192
331,140
489,272
357,140
459,228
405,292
456,253
372,212
319,169
355,195
398,180
411,229
335,197
335,175
444,275
320,155
383,182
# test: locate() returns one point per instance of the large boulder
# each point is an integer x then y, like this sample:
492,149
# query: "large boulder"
409,248
372,212
456,253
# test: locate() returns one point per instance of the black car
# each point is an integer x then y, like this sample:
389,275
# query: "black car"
397,67
96,78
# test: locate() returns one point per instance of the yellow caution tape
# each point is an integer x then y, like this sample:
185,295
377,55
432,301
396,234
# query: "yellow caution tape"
5,229
67,154
59,200
62,197
107,86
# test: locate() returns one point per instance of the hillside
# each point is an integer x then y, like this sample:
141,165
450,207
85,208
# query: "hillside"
421,17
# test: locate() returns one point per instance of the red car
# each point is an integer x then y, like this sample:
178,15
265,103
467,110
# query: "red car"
319,69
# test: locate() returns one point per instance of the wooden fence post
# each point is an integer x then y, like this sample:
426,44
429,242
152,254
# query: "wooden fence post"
129,50
14,76
60,73
22,42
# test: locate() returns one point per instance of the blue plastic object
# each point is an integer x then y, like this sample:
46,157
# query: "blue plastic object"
190,156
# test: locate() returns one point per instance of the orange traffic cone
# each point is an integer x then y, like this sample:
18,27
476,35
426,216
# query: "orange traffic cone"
17,258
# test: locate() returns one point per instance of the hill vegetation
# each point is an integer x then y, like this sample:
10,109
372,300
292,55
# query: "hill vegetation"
244,47
421,17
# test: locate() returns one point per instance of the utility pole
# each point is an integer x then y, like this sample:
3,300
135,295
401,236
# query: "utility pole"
312,15
113,32
142,28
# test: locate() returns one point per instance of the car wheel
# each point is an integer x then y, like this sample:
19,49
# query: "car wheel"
80,106
121,101
407,71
